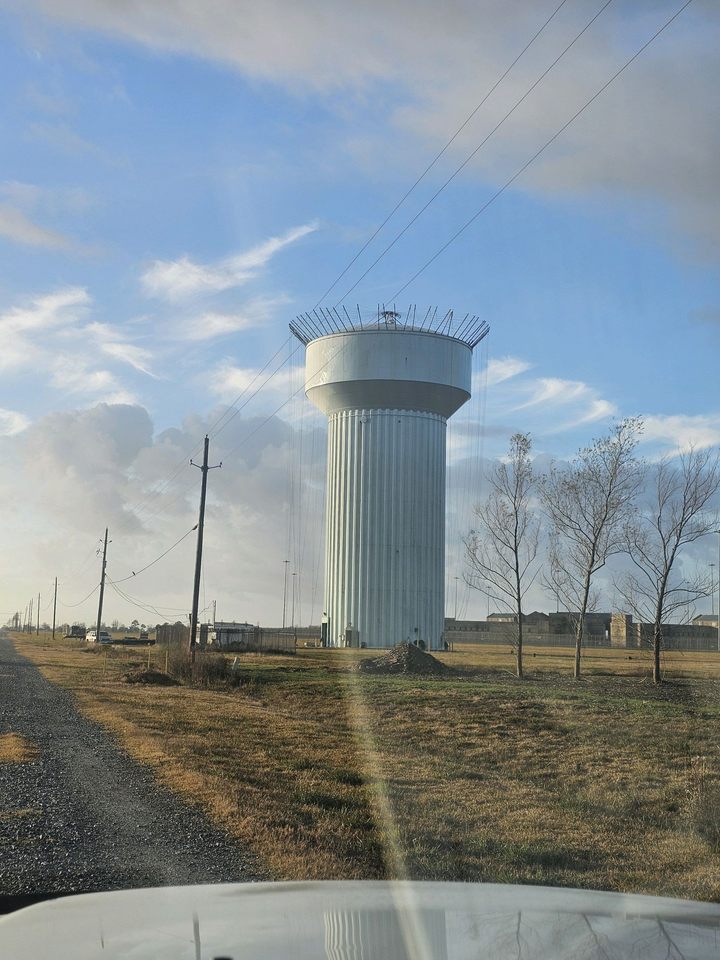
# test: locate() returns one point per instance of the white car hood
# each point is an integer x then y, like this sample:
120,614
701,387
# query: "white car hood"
361,921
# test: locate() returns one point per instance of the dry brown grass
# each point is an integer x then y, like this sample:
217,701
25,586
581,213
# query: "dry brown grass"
326,773
16,749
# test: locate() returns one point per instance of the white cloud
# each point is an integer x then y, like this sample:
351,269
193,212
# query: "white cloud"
227,381
619,148
16,226
50,310
542,406
554,390
255,313
680,431
503,368
180,279
111,343
62,137
49,336
75,378
12,422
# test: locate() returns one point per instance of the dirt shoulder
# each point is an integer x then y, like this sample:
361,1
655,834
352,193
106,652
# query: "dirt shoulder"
77,814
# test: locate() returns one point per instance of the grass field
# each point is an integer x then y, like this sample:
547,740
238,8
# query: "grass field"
609,783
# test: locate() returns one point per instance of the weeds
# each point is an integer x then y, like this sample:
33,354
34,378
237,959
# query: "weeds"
703,801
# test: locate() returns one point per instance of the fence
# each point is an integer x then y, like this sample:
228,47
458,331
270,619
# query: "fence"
262,641
501,637
172,634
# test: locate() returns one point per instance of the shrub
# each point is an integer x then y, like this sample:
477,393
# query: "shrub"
209,669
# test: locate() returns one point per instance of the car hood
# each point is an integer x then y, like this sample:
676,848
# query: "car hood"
361,921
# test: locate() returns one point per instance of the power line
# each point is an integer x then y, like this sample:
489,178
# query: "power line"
266,381
542,149
437,156
245,390
80,602
152,495
475,152
284,403
136,573
147,607
139,508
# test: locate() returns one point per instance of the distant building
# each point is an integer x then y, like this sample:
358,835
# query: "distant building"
226,633
601,630
705,620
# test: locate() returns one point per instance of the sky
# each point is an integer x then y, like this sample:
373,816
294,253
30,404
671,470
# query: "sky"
179,180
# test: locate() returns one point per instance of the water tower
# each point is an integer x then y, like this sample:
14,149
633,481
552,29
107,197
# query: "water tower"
388,387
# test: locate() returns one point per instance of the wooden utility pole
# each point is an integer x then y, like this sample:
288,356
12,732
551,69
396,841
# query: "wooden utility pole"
54,608
198,553
286,562
37,632
102,588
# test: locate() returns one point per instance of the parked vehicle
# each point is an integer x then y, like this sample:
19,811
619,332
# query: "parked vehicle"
104,637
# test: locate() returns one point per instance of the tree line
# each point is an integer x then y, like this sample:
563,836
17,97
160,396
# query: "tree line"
562,526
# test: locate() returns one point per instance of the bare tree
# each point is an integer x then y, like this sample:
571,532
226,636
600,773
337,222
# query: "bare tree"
588,504
677,515
502,552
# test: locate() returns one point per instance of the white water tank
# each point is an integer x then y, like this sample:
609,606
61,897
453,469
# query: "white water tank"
387,390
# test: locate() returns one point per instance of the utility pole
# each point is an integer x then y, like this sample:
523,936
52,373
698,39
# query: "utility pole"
28,625
37,632
292,617
214,612
286,562
198,553
718,619
54,608
102,587
456,597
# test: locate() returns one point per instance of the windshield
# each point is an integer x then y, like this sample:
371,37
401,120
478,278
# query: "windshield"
360,439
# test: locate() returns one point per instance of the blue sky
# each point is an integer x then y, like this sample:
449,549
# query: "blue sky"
177,183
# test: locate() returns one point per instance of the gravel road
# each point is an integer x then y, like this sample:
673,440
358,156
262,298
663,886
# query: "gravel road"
83,816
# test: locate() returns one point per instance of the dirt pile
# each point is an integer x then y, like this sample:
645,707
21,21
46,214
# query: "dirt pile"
406,658
155,677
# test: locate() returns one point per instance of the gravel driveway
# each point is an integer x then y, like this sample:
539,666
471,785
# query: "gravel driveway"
83,816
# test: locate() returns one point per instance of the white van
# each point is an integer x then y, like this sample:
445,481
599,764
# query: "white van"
92,637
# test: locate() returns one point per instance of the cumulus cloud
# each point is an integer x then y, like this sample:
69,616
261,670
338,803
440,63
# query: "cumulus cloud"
180,279
108,467
433,64
12,422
